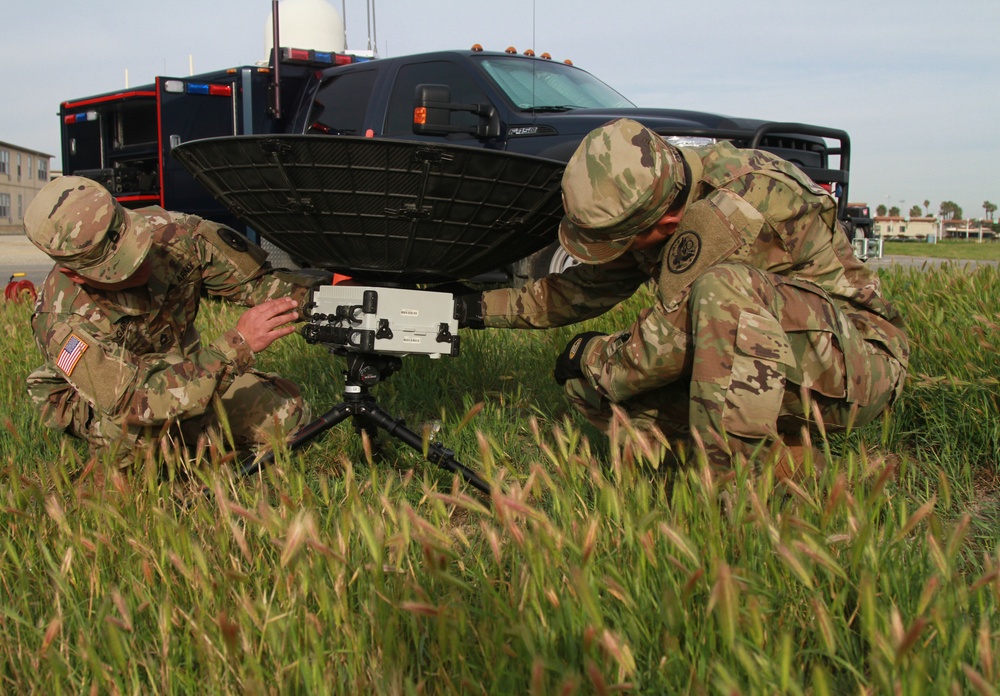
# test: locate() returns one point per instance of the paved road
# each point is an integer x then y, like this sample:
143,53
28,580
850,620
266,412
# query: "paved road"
18,255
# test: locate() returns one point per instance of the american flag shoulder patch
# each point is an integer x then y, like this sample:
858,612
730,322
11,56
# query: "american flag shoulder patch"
71,352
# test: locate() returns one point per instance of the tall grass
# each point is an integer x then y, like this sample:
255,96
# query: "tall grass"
585,573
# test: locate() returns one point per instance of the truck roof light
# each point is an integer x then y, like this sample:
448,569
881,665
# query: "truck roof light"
530,52
173,86
80,117
511,50
568,62
206,88
318,58
478,48
296,54
546,56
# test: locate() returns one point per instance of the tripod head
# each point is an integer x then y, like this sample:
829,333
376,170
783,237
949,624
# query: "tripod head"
365,370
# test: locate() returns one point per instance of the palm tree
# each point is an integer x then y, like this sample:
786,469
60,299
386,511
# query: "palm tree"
989,209
950,211
927,208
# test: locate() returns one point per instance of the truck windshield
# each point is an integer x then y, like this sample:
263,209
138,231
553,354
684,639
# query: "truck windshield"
535,85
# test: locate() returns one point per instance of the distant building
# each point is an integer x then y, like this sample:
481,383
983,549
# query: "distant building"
921,228
890,227
22,173
966,229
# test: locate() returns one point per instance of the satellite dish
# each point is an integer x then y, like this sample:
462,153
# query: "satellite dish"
384,210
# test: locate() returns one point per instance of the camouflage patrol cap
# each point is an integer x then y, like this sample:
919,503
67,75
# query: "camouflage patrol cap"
620,181
83,228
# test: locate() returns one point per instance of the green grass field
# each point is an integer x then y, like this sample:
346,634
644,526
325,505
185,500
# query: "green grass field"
588,572
957,249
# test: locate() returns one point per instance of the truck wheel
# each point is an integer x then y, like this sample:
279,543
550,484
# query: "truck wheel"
278,258
551,259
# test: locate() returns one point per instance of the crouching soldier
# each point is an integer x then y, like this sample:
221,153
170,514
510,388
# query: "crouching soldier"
124,366
761,313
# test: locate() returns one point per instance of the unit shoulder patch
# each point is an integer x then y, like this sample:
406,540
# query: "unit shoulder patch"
683,251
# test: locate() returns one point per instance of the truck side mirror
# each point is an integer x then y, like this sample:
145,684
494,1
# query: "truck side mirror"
432,111
428,119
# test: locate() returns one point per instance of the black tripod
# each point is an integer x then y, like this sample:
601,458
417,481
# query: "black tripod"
364,371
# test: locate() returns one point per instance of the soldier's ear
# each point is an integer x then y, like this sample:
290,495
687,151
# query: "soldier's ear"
671,217
73,275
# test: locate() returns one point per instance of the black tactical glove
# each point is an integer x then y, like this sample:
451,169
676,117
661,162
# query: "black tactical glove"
568,363
469,311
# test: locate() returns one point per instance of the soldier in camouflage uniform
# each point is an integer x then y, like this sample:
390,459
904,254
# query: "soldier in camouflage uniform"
115,323
761,305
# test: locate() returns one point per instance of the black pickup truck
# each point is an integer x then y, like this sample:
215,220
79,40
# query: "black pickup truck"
517,103
533,106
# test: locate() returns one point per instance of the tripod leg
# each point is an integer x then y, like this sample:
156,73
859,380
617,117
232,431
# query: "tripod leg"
436,453
305,434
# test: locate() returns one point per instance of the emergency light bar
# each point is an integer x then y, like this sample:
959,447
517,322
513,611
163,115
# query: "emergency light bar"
179,87
308,56
80,117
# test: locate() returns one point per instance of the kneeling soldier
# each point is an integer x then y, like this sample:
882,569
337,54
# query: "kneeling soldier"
760,303
115,323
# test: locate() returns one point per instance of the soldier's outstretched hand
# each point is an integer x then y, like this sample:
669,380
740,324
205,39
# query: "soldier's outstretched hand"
267,322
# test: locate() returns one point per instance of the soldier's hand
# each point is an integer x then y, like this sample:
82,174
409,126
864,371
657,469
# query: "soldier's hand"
568,363
267,322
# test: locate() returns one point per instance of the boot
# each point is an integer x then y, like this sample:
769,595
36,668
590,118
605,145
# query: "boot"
795,458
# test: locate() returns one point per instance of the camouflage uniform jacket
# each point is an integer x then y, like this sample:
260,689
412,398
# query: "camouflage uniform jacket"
134,357
746,207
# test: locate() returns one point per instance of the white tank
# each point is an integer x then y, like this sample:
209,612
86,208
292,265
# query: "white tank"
306,24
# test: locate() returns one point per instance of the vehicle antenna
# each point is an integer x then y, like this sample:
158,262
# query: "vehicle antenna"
343,16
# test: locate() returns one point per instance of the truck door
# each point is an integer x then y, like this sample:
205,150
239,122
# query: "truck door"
340,103
81,139
462,89
192,109
112,139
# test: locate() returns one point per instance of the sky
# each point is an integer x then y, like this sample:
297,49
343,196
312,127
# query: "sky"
916,84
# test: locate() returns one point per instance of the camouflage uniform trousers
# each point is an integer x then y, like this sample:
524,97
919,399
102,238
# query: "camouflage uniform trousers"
752,358
259,410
